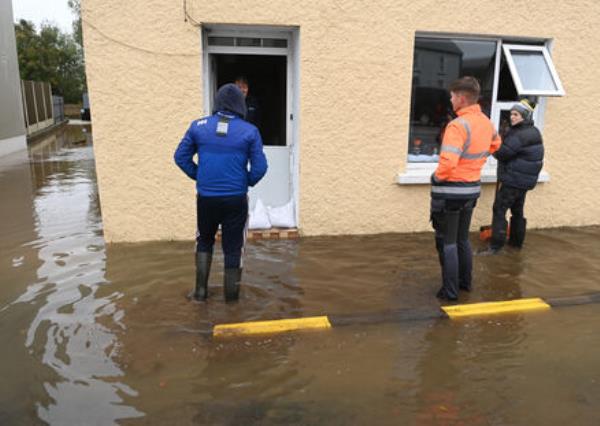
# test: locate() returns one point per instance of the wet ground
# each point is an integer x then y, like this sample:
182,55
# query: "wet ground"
96,334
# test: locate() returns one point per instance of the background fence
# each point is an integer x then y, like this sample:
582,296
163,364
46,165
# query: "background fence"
38,105
58,108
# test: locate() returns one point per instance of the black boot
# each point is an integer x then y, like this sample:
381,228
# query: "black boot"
490,250
518,225
498,238
442,294
231,283
203,262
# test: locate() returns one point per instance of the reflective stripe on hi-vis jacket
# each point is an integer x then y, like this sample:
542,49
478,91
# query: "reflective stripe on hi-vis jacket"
468,141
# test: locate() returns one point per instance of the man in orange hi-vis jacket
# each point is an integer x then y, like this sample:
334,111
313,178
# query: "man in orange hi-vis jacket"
455,185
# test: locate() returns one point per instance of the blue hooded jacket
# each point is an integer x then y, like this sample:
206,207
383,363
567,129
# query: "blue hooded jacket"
225,144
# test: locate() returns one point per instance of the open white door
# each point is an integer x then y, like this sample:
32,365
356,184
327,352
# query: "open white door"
265,57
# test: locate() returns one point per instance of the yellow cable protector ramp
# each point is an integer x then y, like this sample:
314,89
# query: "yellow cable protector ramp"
267,327
487,308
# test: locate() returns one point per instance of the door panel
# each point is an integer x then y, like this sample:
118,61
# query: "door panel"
270,69
274,188
266,74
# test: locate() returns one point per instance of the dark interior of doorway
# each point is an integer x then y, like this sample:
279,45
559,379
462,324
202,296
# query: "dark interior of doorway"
267,83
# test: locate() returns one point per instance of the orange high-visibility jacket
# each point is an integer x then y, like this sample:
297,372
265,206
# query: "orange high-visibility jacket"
468,141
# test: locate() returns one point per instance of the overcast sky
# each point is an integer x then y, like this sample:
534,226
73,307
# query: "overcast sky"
54,11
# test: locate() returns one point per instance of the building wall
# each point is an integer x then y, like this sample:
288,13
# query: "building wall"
12,125
145,83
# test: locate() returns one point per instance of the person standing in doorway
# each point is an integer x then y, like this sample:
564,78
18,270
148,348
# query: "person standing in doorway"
520,161
225,144
252,106
455,185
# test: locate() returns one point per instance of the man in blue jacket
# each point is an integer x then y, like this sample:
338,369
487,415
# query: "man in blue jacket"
225,144
520,161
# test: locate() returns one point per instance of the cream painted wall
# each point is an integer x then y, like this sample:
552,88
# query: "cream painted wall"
145,82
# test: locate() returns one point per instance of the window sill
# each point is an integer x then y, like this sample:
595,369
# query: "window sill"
420,173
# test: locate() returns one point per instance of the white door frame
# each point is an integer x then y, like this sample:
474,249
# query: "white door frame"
293,77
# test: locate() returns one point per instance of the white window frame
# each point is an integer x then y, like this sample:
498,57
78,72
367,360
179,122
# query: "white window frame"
420,173
508,48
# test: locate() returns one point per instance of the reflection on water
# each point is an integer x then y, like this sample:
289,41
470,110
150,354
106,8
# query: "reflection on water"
97,334
58,264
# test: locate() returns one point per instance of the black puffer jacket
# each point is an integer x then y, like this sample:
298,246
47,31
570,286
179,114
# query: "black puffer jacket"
521,156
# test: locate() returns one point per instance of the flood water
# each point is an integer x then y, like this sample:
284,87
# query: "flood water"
97,334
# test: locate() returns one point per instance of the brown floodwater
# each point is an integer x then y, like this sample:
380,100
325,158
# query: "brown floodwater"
97,334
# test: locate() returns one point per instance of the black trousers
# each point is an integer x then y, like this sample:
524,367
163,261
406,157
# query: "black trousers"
511,198
232,214
451,220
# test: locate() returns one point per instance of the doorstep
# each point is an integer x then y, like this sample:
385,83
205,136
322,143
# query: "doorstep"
270,234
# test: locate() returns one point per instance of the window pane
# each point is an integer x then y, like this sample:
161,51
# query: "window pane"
506,86
504,125
438,62
248,42
533,70
220,41
274,42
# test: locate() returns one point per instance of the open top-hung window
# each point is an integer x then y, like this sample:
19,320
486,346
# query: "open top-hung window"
532,70
508,70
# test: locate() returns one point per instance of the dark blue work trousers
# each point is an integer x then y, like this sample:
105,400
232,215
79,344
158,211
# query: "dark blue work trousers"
232,214
451,220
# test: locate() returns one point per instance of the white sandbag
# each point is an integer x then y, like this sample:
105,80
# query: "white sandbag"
259,218
282,217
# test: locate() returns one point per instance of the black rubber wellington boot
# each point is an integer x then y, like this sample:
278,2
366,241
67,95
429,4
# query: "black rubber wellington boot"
203,262
494,248
518,225
231,283
497,241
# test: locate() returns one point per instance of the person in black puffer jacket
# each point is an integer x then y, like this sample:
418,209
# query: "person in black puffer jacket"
520,160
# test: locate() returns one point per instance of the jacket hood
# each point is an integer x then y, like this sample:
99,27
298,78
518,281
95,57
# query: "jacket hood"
231,99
